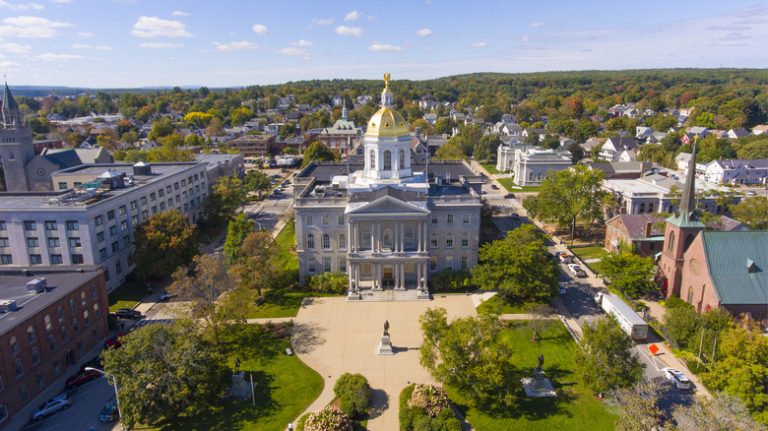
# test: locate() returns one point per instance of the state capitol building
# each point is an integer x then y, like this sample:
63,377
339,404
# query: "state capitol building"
388,217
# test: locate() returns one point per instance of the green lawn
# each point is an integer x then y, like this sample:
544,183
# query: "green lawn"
286,241
591,252
491,168
576,409
279,303
128,295
510,185
499,306
284,386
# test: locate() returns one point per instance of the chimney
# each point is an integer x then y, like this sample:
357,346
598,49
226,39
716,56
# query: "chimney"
648,227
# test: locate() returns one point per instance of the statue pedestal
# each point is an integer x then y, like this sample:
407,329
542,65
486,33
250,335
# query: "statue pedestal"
385,346
538,386
423,294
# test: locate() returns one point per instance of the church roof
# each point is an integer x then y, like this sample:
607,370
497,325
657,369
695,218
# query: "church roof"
738,265
8,101
64,159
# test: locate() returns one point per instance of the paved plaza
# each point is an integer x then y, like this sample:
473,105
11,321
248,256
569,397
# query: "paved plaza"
334,336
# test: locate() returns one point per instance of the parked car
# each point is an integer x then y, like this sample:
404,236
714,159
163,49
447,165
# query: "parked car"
561,289
494,186
164,297
678,379
581,273
113,341
573,268
510,195
55,404
565,257
127,313
515,216
95,362
81,378
109,413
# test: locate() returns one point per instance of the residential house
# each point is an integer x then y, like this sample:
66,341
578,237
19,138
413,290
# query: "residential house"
737,133
642,133
745,172
620,170
613,147
760,129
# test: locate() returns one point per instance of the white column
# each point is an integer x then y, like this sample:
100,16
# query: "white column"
395,230
402,276
418,238
349,237
373,237
356,231
401,238
418,275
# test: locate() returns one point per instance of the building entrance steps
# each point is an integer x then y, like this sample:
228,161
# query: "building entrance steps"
370,295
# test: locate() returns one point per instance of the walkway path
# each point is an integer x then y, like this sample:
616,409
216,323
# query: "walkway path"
334,336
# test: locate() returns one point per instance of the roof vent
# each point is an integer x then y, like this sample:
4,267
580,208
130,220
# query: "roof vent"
8,305
751,266
37,285
141,168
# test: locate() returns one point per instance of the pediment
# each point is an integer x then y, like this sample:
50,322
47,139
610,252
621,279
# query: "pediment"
387,205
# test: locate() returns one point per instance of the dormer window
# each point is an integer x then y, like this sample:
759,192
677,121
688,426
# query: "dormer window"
752,266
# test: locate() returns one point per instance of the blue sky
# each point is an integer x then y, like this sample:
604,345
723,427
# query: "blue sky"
133,43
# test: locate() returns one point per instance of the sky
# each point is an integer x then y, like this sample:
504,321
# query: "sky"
218,43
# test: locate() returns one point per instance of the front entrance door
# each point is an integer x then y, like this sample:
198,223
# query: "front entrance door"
387,279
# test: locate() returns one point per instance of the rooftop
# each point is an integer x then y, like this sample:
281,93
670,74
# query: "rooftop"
60,282
738,264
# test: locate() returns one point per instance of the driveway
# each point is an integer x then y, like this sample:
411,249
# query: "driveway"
334,336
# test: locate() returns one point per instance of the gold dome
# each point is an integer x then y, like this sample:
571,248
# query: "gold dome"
387,122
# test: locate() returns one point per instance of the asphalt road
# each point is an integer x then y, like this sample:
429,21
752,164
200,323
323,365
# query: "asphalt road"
83,414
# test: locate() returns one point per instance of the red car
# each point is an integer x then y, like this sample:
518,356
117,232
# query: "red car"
81,378
113,341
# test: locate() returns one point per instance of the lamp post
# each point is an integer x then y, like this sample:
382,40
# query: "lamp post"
117,396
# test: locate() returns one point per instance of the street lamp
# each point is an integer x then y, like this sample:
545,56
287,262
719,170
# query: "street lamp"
114,383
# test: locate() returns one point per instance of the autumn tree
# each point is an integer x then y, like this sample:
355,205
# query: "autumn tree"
753,212
257,181
317,151
637,407
451,150
163,243
722,412
629,273
238,229
255,268
163,371
518,266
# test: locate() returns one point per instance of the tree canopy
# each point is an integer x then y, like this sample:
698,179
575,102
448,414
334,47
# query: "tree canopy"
629,273
163,243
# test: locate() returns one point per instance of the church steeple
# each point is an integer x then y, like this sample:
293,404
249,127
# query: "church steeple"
686,214
9,110
344,110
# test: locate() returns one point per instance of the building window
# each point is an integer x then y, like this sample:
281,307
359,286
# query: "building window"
98,220
33,242
115,247
3,411
64,335
86,317
51,342
75,324
50,225
53,242
74,242
126,241
326,264
29,225
342,264
372,159
56,259
325,219
464,263
433,263
311,266
118,268
2,225
449,241
6,259
121,210
465,218
31,336
143,200
367,269
342,241
35,259
102,253
402,160
434,219
161,193
14,343
311,241
308,220
19,367
73,225
449,263
433,240
449,219
77,259
465,239
4,242
133,205
112,230
387,160
671,246
341,220
100,237
35,354
24,392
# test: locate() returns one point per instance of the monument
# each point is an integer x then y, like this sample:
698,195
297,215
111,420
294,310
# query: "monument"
539,386
385,345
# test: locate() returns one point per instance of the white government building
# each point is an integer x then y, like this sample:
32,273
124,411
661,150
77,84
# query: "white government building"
387,220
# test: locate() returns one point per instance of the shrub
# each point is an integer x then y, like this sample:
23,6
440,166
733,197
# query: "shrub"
431,399
329,282
328,419
426,408
445,421
353,393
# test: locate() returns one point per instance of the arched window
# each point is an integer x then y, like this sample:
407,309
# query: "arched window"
642,208
402,160
372,159
311,241
671,240
449,241
387,160
326,241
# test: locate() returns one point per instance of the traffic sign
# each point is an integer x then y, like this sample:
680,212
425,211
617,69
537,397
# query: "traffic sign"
654,349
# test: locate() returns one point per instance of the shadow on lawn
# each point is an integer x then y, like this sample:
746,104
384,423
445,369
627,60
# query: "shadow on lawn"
306,337
258,342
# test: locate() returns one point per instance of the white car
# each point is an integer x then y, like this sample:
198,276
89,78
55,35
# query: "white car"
574,268
55,404
678,379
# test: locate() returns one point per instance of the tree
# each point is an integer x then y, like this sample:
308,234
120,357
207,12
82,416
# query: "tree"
256,267
443,126
200,287
353,393
518,266
317,151
705,119
163,371
451,150
551,141
569,196
469,355
540,322
637,407
606,360
329,282
682,322
198,119
752,211
257,181
328,419
239,228
754,150
163,243
232,193
741,368
160,128
720,413
240,115
630,274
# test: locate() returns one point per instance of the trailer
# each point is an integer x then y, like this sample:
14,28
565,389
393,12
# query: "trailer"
630,322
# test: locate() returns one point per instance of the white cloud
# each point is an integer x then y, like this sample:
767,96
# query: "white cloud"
479,44
14,48
152,26
524,39
352,16
85,34
293,51
303,43
50,56
343,30
383,47
537,24
92,47
424,32
160,45
20,6
60,2
7,64
235,46
180,13
31,27
260,29
319,22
